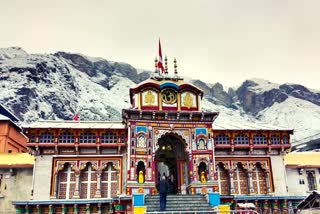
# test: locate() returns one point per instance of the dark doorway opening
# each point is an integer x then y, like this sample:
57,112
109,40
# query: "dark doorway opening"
170,153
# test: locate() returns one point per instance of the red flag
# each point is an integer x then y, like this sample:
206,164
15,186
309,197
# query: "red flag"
76,117
160,65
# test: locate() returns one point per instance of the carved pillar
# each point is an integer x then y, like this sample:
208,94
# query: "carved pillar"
76,193
55,187
250,182
268,182
98,191
232,189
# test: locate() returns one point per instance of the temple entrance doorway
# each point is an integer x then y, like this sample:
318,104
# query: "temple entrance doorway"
172,162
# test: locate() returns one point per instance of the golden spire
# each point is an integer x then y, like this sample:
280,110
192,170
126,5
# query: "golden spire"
166,65
156,65
175,66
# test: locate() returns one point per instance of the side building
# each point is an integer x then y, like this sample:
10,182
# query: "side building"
16,166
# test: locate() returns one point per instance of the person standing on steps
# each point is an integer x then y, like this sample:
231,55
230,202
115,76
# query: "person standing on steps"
163,190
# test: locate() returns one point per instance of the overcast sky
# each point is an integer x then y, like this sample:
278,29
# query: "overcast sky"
216,41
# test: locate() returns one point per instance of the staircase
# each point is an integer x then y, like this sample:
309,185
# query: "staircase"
178,203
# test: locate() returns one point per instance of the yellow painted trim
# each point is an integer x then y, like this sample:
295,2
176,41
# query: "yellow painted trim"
139,100
179,101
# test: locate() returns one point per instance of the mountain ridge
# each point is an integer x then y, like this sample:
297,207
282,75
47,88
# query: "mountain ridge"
56,86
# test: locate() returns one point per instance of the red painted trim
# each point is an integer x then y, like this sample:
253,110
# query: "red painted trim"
166,108
149,107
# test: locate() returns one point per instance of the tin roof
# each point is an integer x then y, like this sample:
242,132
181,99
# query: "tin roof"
77,124
302,159
16,160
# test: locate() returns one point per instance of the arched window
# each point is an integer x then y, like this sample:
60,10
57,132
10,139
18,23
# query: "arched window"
141,141
66,137
66,182
311,180
260,139
201,144
275,139
259,180
241,139
46,137
87,137
109,182
223,180
88,182
240,180
222,139
109,137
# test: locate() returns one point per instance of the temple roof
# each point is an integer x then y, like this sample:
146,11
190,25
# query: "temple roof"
302,159
77,124
163,82
16,160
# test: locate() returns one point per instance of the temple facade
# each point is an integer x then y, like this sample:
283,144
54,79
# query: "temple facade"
96,167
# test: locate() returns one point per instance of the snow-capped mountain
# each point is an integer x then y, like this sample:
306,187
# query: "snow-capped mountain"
56,86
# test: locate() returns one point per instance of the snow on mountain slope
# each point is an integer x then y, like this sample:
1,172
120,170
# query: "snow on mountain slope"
294,113
56,86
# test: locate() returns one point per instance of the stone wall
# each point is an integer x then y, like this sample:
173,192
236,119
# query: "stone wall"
16,185
42,177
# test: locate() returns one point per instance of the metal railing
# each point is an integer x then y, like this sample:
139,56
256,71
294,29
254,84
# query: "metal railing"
206,212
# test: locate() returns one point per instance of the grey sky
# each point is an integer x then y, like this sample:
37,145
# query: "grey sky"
217,41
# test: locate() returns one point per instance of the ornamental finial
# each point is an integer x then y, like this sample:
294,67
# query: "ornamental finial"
166,64
156,65
175,66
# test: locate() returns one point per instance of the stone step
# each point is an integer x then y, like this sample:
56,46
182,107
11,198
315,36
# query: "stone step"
178,203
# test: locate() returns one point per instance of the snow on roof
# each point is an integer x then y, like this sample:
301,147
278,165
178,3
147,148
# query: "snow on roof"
247,126
2,117
77,124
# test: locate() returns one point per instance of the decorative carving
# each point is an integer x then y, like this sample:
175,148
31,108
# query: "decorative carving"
149,98
169,96
187,100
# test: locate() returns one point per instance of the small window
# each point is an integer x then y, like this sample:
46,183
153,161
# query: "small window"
285,140
241,139
201,144
109,137
275,139
87,137
311,180
46,137
66,137
260,139
222,139
9,151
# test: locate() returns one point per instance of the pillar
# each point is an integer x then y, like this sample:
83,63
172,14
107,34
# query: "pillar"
98,191
54,193
76,193
232,189
250,183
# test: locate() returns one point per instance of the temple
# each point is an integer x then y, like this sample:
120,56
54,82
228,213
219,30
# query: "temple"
84,166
